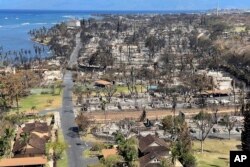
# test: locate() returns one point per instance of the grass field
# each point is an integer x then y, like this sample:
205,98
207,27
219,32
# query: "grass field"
63,162
239,29
40,101
216,152
124,89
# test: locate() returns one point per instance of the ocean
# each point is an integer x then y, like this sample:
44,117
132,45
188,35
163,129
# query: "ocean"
15,24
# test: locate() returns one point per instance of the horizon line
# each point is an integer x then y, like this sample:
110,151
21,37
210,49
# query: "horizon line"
82,10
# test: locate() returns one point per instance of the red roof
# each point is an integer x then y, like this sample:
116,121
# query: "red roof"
23,161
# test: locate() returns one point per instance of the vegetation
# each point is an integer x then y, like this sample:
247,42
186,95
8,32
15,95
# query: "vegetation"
229,123
171,124
58,148
83,122
63,161
182,148
128,148
166,163
216,152
5,143
205,123
165,51
112,160
245,135
39,102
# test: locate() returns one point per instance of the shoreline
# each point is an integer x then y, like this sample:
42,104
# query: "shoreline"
39,41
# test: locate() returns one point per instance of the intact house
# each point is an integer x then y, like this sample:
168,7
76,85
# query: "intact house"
102,83
31,140
151,150
24,162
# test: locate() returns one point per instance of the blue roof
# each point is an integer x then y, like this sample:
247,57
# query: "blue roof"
152,87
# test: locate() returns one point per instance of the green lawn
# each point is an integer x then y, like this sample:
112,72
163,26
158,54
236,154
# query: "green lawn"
63,162
239,29
40,101
91,138
40,90
124,89
216,152
86,153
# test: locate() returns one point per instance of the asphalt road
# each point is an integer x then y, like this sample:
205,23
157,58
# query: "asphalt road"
68,125
74,54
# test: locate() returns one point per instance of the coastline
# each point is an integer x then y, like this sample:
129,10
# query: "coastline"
41,41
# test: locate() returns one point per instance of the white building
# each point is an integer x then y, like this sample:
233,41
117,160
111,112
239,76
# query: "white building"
52,75
73,23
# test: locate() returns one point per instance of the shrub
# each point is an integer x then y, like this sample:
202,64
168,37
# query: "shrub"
98,147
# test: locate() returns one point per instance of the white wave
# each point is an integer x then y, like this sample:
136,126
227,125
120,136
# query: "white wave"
40,23
6,18
23,24
13,26
54,23
69,16
17,18
1,26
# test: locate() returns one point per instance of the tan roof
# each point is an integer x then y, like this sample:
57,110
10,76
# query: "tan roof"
23,161
103,82
108,152
216,91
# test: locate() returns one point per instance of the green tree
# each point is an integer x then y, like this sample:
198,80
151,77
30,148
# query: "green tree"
188,160
119,138
58,148
182,148
166,162
4,146
109,91
5,141
245,135
112,160
169,122
128,148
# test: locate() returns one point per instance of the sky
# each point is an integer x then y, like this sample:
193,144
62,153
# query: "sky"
123,4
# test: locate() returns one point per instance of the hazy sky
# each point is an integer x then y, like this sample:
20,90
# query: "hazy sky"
122,4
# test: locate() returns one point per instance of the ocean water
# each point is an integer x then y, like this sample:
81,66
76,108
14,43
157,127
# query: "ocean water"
15,25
